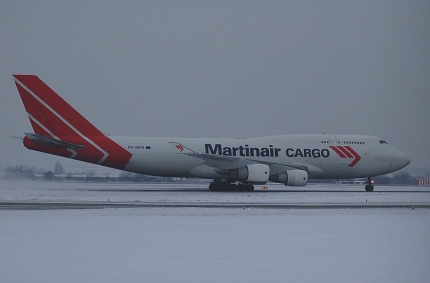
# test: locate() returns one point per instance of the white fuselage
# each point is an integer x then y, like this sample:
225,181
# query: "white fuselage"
317,154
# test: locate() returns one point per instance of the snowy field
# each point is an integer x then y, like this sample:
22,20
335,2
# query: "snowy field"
210,244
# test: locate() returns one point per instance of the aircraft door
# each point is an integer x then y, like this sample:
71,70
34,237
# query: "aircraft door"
333,140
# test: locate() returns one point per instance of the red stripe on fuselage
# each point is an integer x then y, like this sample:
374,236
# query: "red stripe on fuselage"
345,151
357,157
338,152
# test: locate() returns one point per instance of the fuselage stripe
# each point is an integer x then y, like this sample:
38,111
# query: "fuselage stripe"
345,151
338,152
356,155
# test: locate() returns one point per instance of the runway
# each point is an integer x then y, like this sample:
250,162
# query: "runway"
55,206
63,195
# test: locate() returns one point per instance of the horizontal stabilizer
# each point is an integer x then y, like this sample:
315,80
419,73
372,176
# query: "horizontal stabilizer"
16,137
44,140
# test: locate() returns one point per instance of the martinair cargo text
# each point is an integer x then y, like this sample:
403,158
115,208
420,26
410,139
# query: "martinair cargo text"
233,164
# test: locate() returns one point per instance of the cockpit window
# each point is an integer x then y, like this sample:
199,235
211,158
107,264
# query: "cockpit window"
382,141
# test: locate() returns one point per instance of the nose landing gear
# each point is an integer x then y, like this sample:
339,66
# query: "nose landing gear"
369,187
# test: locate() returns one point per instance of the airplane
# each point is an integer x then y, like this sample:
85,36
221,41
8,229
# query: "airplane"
232,164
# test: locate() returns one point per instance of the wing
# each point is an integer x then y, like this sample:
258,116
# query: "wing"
225,163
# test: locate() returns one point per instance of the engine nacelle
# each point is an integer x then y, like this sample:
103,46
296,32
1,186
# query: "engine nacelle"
253,173
291,178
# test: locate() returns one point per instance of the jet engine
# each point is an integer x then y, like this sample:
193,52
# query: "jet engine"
291,178
253,173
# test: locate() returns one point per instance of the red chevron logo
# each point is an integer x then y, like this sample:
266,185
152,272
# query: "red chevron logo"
347,152
180,147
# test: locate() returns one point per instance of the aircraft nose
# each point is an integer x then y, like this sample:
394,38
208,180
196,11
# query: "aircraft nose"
401,160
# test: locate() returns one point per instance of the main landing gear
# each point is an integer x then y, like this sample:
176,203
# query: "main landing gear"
369,186
230,187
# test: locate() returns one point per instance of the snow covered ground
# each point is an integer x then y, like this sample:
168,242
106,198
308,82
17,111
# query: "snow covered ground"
199,244
312,194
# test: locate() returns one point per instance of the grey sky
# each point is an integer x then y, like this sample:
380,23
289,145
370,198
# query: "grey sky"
223,68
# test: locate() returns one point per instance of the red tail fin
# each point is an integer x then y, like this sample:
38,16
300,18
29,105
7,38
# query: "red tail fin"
53,117
43,106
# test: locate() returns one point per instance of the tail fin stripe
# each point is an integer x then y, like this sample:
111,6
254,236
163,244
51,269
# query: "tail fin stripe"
74,153
42,126
105,154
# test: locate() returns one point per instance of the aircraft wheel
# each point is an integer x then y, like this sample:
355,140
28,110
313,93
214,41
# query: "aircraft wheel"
241,188
369,188
249,188
213,186
231,187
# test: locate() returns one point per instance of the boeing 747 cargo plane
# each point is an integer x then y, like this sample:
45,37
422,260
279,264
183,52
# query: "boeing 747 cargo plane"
233,164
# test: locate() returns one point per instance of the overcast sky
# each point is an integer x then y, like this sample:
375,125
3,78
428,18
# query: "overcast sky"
223,69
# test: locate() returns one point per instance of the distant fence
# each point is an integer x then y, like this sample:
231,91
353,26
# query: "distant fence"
423,182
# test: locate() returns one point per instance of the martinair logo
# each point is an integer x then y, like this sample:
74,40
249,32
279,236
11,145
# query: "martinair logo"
180,147
347,152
